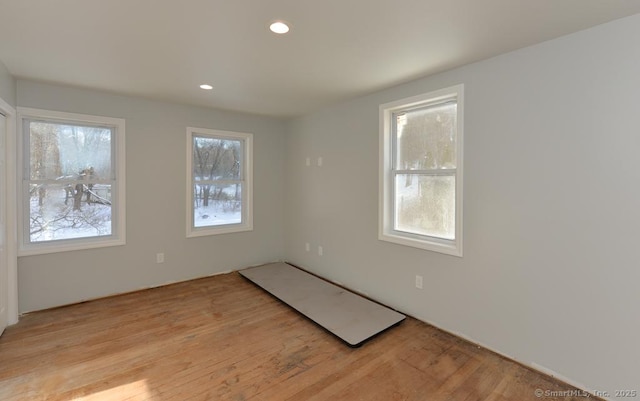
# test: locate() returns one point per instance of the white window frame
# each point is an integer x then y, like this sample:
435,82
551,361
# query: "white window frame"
118,210
386,202
246,223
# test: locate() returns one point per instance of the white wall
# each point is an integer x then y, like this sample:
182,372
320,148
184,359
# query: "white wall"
156,170
7,86
8,97
550,272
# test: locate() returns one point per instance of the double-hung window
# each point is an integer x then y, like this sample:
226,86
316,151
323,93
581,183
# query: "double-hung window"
72,180
219,182
421,171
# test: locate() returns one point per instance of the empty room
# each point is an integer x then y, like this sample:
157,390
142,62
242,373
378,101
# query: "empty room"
294,200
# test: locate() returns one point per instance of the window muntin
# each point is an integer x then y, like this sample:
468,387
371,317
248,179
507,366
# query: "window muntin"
421,175
219,193
72,181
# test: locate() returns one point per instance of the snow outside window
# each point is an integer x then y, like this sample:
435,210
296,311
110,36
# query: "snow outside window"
219,190
421,171
72,181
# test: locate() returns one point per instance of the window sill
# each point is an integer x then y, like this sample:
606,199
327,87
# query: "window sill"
45,248
453,248
207,231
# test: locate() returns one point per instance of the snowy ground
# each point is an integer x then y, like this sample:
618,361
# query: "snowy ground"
227,210
217,213
56,221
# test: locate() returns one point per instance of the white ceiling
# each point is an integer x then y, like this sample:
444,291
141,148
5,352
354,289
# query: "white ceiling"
337,49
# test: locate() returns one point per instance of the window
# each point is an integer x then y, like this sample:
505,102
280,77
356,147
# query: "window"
219,182
72,179
421,171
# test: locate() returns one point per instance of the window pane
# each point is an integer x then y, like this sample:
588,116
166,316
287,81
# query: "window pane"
60,151
216,205
65,211
216,159
426,138
425,205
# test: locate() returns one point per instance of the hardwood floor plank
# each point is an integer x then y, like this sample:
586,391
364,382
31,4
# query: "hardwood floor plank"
221,338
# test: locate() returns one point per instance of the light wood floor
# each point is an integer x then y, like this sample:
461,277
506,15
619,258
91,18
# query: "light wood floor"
222,338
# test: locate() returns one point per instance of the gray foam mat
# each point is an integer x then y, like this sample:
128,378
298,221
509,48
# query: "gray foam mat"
349,316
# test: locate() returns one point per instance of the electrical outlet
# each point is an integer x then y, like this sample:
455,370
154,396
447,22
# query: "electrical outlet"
159,257
419,282
319,161
320,251
307,247
308,161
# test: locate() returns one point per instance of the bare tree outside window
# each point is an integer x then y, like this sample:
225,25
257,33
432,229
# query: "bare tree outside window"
220,182
217,181
70,174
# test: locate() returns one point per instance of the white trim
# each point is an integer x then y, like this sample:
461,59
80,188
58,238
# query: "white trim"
247,188
118,236
11,222
385,177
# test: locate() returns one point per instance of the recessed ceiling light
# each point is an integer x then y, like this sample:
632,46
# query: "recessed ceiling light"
206,87
279,27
